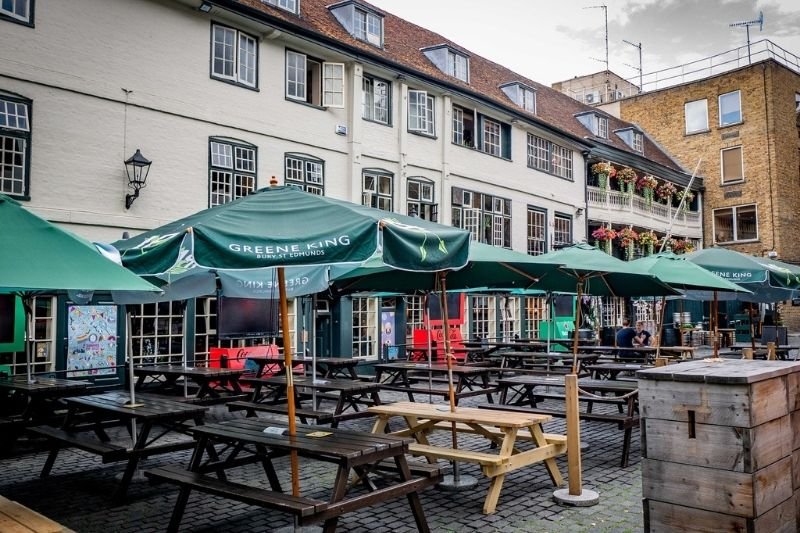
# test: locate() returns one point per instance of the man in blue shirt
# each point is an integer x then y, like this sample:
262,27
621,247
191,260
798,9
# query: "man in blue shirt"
625,336
643,336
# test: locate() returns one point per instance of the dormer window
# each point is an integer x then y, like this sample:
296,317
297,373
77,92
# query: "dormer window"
450,61
522,95
595,123
287,5
362,22
633,138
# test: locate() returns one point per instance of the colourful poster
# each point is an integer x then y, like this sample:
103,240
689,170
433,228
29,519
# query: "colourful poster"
92,340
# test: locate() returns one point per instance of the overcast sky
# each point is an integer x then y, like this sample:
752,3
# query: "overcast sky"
554,40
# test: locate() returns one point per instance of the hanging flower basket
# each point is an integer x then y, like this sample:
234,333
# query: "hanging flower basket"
648,240
682,246
604,235
604,172
627,178
685,203
627,237
666,191
647,184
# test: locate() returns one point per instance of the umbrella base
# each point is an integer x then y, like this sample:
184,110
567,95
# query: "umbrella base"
450,484
586,498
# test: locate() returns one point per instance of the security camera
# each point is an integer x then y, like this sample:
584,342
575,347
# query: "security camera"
772,254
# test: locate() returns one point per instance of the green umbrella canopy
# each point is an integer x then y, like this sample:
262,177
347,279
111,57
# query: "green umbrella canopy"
602,274
284,226
679,273
41,257
489,267
768,280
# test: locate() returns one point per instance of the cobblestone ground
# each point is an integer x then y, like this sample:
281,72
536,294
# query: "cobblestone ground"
77,493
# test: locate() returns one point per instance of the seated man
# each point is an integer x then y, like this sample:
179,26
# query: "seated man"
643,336
625,338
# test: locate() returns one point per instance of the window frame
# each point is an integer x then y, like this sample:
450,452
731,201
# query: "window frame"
424,206
548,149
367,14
237,174
637,141
306,184
601,126
475,208
722,179
453,58
18,134
375,194
734,225
322,76
537,211
235,78
686,122
429,110
278,4
16,19
557,216
719,108
372,80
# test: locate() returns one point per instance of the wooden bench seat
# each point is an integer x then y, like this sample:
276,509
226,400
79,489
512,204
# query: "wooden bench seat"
438,392
417,469
16,518
321,417
60,438
624,421
465,456
551,438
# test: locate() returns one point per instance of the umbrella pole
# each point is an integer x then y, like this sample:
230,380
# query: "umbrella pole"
27,305
313,348
131,378
716,326
752,328
287,359
575,332
183,351
430,346
660,325
549,302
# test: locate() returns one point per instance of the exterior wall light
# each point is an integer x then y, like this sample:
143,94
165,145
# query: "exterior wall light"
137,167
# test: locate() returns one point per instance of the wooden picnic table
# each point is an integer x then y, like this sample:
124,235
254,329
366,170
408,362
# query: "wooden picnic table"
502,429
88,416
420,352
523,394
16,518
781,350
612,370
327,367
349,395
248,442
38,398
407,377
212,382
641,352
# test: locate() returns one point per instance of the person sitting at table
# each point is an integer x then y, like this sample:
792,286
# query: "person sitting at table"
643,336
625,336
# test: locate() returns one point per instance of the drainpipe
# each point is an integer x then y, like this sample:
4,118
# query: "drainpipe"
769,153
586,165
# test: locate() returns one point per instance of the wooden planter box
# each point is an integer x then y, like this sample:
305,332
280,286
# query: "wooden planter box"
721,446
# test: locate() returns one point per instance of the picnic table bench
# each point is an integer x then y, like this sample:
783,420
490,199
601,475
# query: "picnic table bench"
149,413
16,518
327,367
501,429
351,451
613,370
406,377
269,395
211,382
523,393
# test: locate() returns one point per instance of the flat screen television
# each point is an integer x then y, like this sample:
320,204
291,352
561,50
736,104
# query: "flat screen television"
7,315
563,305
241,318
453,306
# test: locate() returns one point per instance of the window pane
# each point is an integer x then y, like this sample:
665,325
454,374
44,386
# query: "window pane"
696,116
12,161
295,75
730,108
247,60
429,109
746,223
723,225
221,155
413,190
224,39
333,84
732,165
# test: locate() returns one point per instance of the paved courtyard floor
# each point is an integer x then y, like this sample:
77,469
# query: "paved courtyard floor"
77,493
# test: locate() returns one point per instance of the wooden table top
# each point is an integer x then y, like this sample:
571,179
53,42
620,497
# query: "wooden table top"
330,361
41,385
435,368
606,385
332,443
759,346
151,408
15,517
467,415
180,370
618,366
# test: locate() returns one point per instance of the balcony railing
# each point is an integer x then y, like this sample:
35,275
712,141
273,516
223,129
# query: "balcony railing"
633,209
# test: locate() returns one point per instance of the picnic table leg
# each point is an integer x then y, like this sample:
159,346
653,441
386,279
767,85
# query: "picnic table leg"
133,462
413,497
269,469
552,468
339,490
183,494
496,485
485,382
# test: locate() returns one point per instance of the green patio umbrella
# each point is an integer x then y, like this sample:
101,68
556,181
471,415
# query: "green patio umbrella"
285,227
41,258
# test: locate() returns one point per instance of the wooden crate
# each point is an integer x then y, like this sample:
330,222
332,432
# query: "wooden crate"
721,446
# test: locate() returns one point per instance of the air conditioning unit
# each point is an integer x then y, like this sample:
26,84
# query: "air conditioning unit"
589,98
593,97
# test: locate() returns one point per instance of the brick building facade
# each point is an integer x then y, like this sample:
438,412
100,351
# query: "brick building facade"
742,126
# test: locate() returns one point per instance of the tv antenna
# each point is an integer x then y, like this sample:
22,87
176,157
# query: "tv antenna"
639,46
759,21
605,15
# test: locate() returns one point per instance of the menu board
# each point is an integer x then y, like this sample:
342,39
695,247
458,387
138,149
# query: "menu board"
91,340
